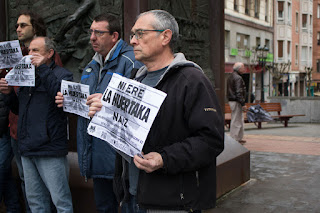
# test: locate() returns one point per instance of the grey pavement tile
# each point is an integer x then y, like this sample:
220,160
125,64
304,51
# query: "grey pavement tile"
279,183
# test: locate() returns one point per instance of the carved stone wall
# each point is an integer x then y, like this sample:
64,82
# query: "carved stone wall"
69,21
193,19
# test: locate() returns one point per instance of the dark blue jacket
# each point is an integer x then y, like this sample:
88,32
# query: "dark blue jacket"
96,157
42,126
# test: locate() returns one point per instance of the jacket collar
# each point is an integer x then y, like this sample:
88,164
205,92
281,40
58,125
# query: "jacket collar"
111,56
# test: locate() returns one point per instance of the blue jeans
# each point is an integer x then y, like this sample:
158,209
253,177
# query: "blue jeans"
8,188
104,196
17,158
46,178
131,206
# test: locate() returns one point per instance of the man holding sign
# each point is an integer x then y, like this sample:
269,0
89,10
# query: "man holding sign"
113,55
42,131
178,163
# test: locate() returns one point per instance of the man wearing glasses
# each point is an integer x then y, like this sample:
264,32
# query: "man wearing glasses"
29,25
178,167
113,55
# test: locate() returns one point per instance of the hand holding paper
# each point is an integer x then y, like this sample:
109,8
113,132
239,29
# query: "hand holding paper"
59,99
151,162
94,102
4,88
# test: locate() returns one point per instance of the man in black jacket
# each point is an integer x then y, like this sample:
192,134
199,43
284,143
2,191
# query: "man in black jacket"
42,131
8,188
236,93
178,168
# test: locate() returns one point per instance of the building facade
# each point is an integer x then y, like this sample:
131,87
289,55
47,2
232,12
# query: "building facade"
293,47
316,48
249,25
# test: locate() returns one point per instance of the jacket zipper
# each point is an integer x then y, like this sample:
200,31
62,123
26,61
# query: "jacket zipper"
197,177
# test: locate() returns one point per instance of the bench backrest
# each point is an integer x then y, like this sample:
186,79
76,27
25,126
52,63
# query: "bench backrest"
269,107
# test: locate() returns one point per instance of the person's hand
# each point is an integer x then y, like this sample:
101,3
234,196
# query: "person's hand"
4,87
37,59
244,108
150,162
94,102
59,99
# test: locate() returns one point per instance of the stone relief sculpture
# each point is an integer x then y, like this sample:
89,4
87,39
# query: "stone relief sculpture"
73,38
68,23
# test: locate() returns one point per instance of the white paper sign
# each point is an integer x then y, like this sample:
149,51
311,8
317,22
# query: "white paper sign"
23,74
75,97
10,54
129,109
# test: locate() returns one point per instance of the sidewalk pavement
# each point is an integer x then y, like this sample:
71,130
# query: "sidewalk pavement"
285,171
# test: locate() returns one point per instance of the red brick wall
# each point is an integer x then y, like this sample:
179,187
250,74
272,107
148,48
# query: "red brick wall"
316,47
295,34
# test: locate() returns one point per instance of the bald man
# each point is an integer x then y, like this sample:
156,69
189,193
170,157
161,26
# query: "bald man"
42,131
236,93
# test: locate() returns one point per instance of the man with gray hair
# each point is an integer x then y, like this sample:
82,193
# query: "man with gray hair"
42,131
177,169
236,93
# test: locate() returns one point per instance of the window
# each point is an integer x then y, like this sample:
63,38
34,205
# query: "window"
310,57
266,11
226,38
258,42
310,21
304,20
236,5
318,11
318,38
256,8
280,49
304,56
318,65
289,13
242,41
267,43
297,22
289,50
297,54
247,7
280,10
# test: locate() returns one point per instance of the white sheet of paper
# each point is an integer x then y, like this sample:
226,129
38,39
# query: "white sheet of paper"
23,73
128,111
75,97
10,54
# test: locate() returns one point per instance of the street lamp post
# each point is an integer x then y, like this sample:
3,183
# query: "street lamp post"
262,53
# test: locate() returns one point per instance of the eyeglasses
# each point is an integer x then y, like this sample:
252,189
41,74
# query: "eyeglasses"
22,25
139,33
97,33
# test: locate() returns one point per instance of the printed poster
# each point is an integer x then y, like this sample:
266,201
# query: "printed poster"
23,73
75,97
128,111
10,54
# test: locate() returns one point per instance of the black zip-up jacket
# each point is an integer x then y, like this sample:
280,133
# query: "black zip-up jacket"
236,89
4,113
42,126
188,132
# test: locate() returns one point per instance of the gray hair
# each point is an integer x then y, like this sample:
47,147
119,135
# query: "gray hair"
164,20
49,44
237,66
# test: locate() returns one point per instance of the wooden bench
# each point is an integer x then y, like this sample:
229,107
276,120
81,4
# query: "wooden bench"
269,107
